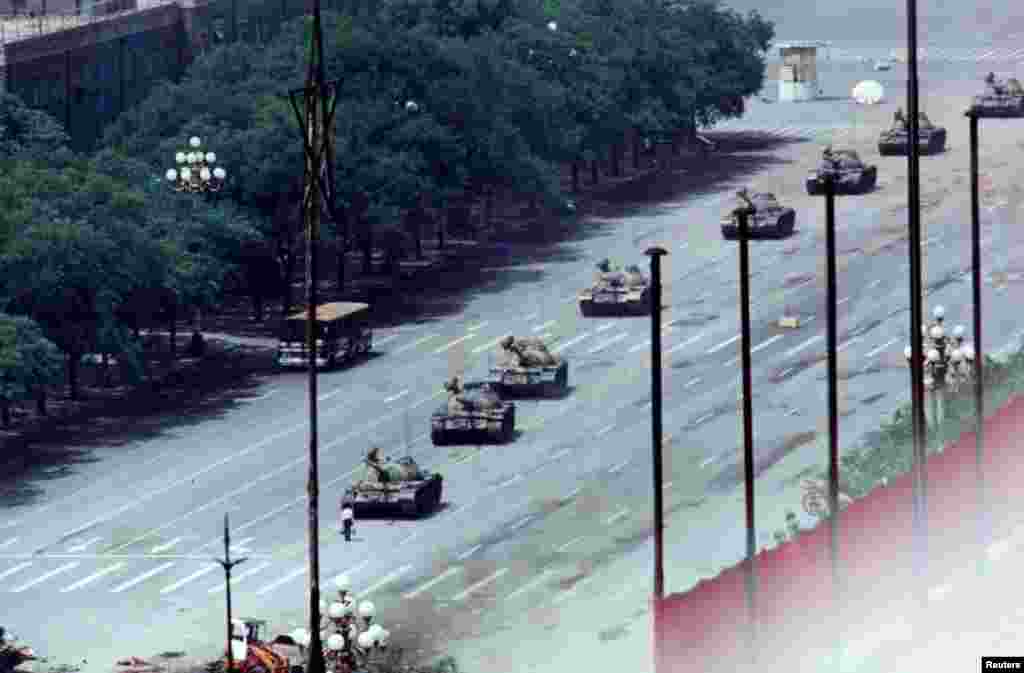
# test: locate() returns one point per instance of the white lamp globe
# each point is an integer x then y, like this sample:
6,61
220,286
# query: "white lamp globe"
367,609
958,332
171,175
908,352
939,312
933,355
928,382
353,632
924,330
364,641
968,351
956,355
336,611
374,631
194,141
336,642
411,106
186,173
210,157
180,157
219,173
342,583
385,636
301,636
552,26
572,52
937,332
204,173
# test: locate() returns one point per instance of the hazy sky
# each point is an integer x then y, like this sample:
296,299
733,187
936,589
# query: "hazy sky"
943,22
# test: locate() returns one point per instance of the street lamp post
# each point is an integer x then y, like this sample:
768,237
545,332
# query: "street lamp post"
656,253
196,174
228,563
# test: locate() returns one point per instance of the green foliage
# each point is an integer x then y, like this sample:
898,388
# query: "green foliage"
28,134
28,360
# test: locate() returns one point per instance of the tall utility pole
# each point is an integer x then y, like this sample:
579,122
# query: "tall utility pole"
228,563
916,313
656,253
315,122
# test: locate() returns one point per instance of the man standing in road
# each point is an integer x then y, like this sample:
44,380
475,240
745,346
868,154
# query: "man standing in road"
347,520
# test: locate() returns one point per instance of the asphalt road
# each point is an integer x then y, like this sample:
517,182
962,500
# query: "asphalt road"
548,522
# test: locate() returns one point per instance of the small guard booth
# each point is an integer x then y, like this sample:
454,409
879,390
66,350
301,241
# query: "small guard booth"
798,71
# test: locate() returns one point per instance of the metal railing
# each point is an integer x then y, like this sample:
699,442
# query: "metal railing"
15,27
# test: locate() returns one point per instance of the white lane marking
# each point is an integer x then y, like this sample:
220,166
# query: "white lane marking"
568,544
9,542
469,552
842,301
387,579
605,430
707,462
251,571
191,578
685,343
619,466
167,545
264,395
416,343
287,578
715,349
396,396
618,515
424,401
142,578
570,342
693,382
531,316
605,327
409,539
569,593
529,585
11,571
511,480
881,348
573,493
560,454
479,585
642,344
45,576
875,283
486,346
765,344
478,326
702,419
522,522
849,343
785,371
604,344
541,328
796,349
327,396
385,339
93,577
451,344
432,583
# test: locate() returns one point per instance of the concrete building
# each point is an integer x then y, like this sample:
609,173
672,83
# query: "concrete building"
798,72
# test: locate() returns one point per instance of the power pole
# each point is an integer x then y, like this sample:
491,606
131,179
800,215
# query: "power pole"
315,122
228,563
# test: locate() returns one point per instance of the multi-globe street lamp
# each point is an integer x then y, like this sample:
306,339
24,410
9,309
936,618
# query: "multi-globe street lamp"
196,174
947,363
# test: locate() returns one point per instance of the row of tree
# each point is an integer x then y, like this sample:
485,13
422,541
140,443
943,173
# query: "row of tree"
441,103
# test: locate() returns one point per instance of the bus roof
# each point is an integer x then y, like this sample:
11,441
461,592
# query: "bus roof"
333,311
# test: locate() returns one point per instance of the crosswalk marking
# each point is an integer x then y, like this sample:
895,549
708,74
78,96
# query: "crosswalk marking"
434,582
479,585
182,582
95,576
45,576
142,578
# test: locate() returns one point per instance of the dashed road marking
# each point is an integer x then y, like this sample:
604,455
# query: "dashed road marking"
693,382
11,571
568,544
618,515
604,344
605,327
881,348
686,343
390,577
560,454
642,344
469,552
167,545
396,396
251,571
409,539
478,326
92,578
416,343
846,345
487,346
541,328
432,583
385,339
10,542
796,349
45,576
530,585
715,349
185,580
287,578
142,578
522,522
702,419
605,430
569,593
874,283
619,466
479,585
452,344
531,316
571,342
765,344
327,396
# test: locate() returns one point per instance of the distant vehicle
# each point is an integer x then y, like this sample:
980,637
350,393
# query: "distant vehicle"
526,366
473,413
772,220
343,334
853,175
394,485
616,293
1002,99
883,64
896,140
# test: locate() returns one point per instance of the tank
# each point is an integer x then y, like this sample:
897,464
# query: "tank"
1002,99
394,486
771,220
895,141
616,293
474,413
854,176
525,366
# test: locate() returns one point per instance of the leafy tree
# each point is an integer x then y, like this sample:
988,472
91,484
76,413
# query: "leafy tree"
28,363
26,133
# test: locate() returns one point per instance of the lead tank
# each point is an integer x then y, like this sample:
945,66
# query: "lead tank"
526,366
616,292
389,485
1002,99
474,413
931,139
